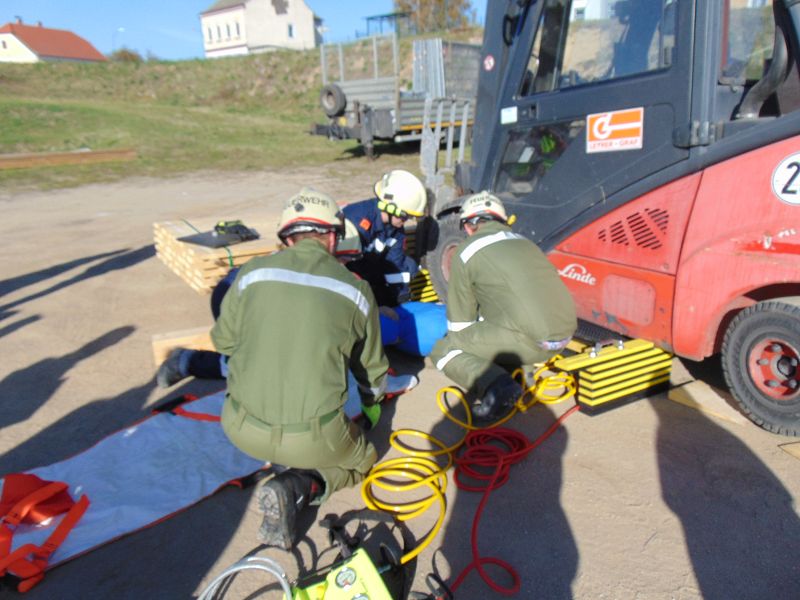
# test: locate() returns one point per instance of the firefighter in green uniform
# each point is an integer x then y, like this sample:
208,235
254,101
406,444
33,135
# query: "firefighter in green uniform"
293,323
506,308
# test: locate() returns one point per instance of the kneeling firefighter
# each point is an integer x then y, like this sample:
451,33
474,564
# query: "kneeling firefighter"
293,324
506,308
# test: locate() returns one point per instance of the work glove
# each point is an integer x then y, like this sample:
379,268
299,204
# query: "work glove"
372,415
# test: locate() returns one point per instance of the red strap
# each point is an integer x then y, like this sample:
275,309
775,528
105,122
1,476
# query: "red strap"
182,412
20,510
19,488
31,571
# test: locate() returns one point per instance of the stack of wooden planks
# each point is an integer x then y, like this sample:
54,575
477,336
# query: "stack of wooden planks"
200,266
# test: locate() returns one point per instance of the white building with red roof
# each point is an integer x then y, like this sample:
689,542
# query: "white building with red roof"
22,43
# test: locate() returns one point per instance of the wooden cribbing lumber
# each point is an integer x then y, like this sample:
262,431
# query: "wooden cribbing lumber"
49,159
195,339
200,266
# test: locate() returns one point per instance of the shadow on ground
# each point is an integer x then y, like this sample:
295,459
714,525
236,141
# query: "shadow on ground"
741,529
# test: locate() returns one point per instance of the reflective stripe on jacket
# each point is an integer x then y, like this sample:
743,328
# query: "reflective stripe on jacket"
506,279
382,239
293,323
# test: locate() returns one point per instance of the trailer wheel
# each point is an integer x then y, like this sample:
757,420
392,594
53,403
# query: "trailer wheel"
332,100
761,362
439,259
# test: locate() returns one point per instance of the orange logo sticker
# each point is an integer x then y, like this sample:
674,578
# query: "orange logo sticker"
365,224
617,130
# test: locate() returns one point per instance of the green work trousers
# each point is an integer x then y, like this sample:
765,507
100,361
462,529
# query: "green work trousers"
337,449
477,355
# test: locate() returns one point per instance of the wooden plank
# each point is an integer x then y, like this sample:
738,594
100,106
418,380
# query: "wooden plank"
196,339
203,267
49,159
699,395
792,448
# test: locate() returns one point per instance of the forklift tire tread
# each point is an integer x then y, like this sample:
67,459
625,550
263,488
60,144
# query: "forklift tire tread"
438,260
760,353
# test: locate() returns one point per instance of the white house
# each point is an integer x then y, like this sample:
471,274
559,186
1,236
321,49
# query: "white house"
22,43
235,27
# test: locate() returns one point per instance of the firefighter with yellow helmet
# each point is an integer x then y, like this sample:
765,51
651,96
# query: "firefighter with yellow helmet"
506,308
293,324
380,221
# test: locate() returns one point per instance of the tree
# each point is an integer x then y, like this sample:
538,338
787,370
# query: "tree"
436,15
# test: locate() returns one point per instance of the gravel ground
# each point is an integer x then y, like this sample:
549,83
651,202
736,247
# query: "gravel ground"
652,500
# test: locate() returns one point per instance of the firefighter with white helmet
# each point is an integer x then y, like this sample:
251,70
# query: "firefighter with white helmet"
506,308
293,324
380,221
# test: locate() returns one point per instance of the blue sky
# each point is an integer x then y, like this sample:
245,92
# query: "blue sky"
170,29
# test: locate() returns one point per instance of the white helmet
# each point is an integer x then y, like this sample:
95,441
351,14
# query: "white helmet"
310,210
482,206
350,244
400,194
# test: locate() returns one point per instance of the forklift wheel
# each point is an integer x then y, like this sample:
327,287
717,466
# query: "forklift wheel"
760,356
438,260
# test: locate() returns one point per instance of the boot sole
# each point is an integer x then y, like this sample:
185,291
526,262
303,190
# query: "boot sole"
275,530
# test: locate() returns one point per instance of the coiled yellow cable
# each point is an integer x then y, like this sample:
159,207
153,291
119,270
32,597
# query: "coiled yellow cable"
418,468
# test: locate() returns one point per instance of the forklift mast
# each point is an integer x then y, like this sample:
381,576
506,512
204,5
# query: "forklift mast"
652,149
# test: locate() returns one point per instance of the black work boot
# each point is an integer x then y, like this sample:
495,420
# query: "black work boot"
498,400
281,499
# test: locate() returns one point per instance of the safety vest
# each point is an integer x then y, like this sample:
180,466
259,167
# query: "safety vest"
27,501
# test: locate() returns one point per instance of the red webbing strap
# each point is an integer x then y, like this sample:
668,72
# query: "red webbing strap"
21,490
19,486
21,509
31,571
182,412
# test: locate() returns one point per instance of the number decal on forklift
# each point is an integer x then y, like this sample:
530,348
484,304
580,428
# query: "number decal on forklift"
786,179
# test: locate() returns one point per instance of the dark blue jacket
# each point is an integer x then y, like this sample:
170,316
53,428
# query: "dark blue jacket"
382,240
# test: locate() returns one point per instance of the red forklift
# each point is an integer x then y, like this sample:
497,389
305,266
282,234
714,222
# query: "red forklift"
652,149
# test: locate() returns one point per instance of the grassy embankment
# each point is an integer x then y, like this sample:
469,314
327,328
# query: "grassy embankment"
240,113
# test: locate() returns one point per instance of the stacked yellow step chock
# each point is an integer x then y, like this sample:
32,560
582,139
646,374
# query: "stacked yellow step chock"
609,374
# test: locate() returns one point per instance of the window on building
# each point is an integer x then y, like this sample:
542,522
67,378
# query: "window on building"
210,35
291,31
4,45
219,33
228,30
238,33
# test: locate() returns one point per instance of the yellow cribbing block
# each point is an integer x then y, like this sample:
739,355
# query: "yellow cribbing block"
421,287
629,382
629,393
611,374
629,371
603,355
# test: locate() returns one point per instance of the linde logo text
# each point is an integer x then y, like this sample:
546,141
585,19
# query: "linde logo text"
578,273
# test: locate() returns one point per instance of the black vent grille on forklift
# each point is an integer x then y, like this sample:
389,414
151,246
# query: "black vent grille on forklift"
646,229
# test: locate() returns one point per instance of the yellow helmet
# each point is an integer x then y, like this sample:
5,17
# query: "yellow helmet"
310,210
401,194
483,205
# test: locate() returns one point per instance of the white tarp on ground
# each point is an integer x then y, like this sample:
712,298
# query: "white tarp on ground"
151,470
142,474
